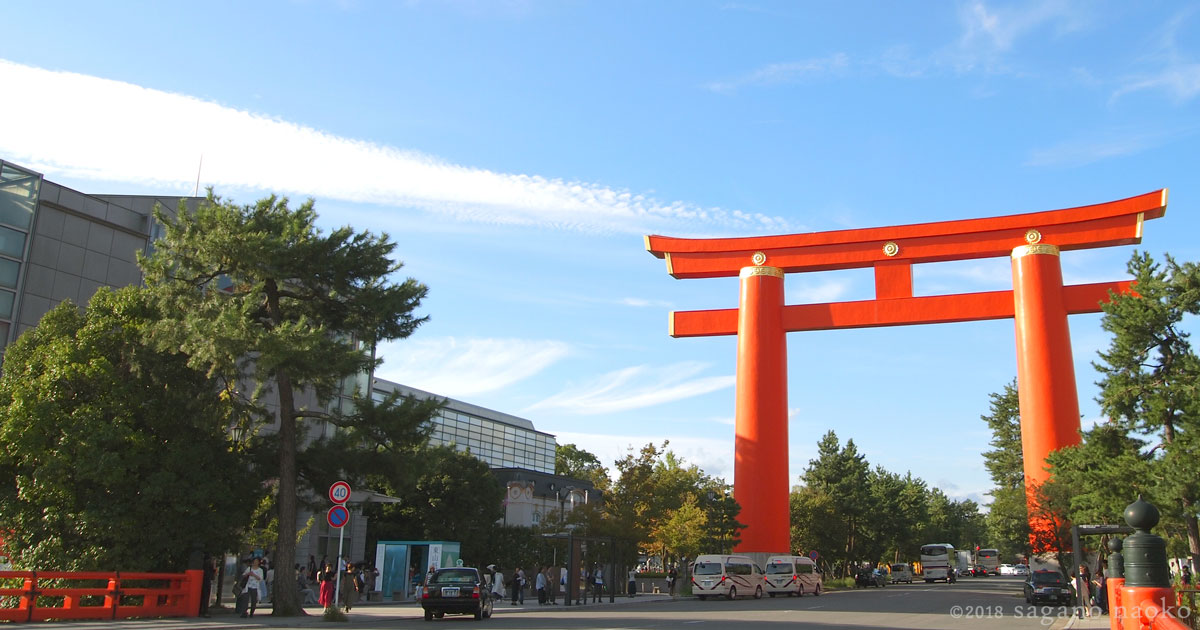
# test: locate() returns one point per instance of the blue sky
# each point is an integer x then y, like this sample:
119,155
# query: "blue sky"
517,152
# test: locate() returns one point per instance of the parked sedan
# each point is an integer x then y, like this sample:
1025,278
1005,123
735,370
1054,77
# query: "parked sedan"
871,577
456,591
1048,586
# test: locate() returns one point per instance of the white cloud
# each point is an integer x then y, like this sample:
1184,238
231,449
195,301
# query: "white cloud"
786,72
1175,74
124,132
462,367
642,302
635,387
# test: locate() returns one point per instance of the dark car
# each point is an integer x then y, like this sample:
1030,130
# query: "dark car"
456,591
979,571
870,577
1048,586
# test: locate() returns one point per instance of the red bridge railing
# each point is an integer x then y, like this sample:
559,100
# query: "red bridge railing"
69,595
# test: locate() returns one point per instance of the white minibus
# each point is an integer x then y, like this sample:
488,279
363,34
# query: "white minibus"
792,575
937,562
901,572
729,576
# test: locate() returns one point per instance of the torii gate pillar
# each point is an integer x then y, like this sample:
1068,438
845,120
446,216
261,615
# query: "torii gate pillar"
1049,402
760,418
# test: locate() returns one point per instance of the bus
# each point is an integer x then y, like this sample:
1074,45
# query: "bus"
989,559
937,562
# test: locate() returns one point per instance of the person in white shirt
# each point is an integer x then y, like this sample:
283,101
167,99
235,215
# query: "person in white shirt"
497,582
253,575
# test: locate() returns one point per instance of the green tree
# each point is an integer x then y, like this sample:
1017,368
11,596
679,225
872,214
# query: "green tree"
681,533
1151,377
1007,521
576,463
816,525
258,294
116,455
844,475
454,497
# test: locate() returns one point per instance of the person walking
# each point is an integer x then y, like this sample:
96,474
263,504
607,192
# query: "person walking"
517,581
672,576
497,582
552,574
585,583
597,584
326,577
632,586
1185,575
247,600
540,585
350,581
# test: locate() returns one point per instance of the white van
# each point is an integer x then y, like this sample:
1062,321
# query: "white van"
901,572
792,575
728,576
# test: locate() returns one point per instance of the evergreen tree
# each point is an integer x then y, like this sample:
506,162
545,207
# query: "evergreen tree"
843,474
1007,521
1151,377
258,294
116,456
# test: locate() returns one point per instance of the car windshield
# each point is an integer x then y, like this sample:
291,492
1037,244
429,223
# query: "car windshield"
707,568
454,576
933,551
779,568
1049,579
899,567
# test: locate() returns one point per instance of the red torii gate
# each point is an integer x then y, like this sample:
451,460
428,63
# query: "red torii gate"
1039,303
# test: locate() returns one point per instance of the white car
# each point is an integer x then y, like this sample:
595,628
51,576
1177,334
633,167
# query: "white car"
1007,569
1021,569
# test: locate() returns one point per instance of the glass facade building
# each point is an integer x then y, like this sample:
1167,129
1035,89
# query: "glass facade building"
500,440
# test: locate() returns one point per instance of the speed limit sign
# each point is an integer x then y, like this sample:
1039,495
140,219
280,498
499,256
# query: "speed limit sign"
339,492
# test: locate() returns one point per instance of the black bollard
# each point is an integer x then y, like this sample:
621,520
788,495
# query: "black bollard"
1145,554
1116,562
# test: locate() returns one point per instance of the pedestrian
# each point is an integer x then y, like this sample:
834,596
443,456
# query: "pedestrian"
251,577
326,577
308,597
672,575
632,581
350,586
1185,575
497,582
540,585
597,584
1085,575
521,582
1101,591
312,568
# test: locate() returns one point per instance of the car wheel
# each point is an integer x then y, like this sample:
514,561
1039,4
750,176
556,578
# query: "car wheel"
702,597
928,581
732,593
428,615
439,615
479,614
772,595
817,591
758,592
800,591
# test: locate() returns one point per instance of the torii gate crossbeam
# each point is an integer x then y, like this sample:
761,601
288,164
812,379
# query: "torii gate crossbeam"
1038,303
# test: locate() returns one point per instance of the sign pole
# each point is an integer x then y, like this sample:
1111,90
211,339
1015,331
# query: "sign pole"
337,586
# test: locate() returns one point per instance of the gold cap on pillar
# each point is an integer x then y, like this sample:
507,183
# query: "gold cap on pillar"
1036,248
747,272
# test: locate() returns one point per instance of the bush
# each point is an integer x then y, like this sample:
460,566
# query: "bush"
846,582
333,614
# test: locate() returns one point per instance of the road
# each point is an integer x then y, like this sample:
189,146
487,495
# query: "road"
974,603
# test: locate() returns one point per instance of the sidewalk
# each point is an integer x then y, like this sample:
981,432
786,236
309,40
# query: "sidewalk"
1095,622
363,612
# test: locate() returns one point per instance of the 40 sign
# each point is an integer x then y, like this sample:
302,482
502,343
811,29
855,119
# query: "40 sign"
338,516
339,492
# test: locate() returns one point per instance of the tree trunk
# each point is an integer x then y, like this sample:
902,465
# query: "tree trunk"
1193,531
286,597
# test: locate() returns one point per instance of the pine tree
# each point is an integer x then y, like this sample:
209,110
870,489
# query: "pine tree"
259,295
1151,377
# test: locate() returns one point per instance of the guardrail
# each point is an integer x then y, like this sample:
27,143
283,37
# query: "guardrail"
73,595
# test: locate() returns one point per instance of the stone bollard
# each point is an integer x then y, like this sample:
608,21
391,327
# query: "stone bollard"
1147,577
1115,580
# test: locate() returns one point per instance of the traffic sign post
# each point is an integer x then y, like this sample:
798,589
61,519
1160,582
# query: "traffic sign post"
338,516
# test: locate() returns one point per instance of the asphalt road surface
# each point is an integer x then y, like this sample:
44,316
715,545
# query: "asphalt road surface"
974,603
